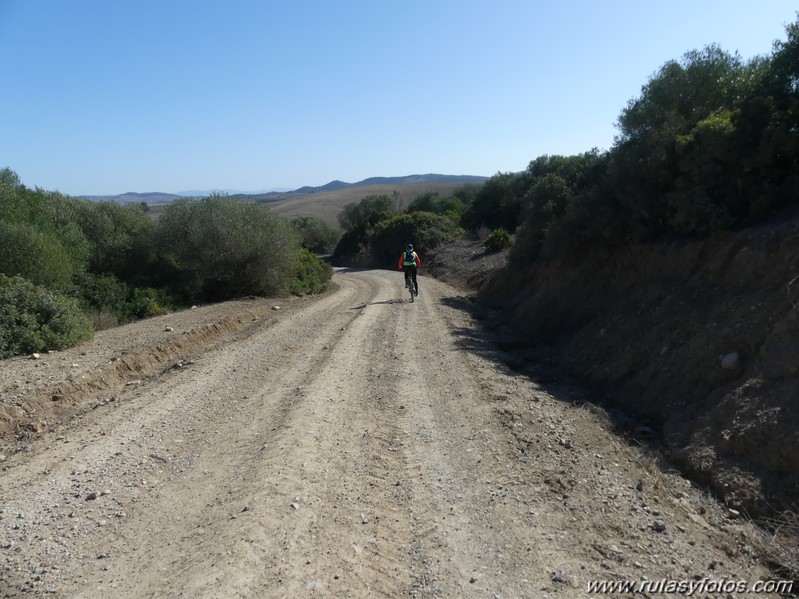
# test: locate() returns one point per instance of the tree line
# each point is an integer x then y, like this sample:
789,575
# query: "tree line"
376,229
711,144
71,266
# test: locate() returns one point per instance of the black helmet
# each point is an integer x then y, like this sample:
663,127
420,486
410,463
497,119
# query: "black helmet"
409,246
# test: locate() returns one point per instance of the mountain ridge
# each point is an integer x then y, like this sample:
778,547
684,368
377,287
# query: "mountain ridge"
156,197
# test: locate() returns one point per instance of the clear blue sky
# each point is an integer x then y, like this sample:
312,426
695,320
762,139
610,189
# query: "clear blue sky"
105,97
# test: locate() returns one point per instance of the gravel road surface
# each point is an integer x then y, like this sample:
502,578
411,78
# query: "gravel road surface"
352,445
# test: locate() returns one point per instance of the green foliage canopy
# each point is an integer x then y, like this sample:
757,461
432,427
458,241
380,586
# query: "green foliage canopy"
711,143
221,248
311,275
425,230
358,220
364,215
120,237
315,234
452,206
40,238
497,203
35,319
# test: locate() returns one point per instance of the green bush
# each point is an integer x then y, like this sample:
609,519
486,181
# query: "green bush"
452,207
351,243
145,302
40,237
359,221
106,299
364,215
499,240
219,248
120,237
101,293
33,319
36,255
315,234
312,275
497,203
424,229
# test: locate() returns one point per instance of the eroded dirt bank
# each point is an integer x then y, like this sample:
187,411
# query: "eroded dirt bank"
355,445
696,340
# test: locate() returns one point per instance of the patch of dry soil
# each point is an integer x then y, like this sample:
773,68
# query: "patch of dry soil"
354,445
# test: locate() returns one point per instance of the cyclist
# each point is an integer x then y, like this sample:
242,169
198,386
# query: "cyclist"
409,262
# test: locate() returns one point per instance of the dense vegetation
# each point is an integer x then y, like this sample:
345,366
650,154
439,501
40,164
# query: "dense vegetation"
711,144
376,228
69,266
316,235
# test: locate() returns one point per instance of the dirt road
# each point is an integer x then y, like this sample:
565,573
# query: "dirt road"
356,445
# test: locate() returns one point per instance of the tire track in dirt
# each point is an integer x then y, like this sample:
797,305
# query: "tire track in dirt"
464,546
210,414
247,479
361,446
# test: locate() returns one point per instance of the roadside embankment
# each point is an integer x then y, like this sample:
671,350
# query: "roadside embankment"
695,341
39,392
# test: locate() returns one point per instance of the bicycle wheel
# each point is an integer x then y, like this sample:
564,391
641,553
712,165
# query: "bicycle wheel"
409,286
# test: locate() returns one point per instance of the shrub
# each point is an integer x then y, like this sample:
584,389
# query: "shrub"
312,275
424,229
39,234
364,215
109,301
36,255
120,237
315,234
497,203
33,319
145,302
101,293
359,221
452,207
351,243
499,240
220,248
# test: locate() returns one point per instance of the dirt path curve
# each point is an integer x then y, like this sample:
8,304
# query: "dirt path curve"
359,446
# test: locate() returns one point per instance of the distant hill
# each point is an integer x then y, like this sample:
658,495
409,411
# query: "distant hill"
203,193
324,201
415,180
328,204
150,198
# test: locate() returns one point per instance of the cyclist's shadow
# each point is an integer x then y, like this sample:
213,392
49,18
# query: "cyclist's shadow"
390,301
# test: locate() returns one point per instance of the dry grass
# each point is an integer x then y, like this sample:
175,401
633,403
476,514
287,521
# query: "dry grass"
327,205
102,319
778,543
654,463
